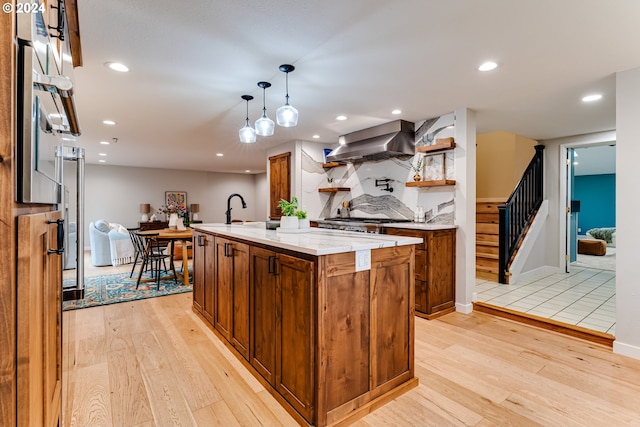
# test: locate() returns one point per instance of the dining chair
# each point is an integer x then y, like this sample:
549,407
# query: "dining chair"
154,254
138,248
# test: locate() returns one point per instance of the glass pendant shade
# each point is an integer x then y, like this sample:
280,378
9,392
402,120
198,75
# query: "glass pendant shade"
246,133
287,116
264,125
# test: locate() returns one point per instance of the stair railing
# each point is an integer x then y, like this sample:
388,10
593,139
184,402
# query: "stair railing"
516,213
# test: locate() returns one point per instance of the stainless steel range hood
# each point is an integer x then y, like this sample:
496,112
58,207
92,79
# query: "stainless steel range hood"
380,142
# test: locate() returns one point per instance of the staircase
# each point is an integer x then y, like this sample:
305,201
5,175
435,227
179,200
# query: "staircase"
487,238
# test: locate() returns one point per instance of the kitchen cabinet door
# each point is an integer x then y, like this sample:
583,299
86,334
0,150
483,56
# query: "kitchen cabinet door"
223,288
204,275
262,317
39,322
441,259
279,182
295,338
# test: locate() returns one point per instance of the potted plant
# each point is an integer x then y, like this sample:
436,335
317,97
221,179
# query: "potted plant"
417,168
288,209
303,221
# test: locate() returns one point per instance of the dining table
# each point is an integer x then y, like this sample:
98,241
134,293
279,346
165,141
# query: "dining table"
172,236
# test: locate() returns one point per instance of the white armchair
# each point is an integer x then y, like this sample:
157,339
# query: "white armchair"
110,244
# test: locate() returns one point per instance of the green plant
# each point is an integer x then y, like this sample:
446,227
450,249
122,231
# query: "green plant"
288,208
329,180
417,167
301,214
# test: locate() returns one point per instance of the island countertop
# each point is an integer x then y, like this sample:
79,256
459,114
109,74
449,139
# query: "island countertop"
316,241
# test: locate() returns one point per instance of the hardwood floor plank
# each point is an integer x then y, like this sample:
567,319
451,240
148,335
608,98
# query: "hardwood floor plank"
128,392
90,402
473,369
168,404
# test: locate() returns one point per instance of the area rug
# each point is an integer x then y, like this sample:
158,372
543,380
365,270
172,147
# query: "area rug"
115,288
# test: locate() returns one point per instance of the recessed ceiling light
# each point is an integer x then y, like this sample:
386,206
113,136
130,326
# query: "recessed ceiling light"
67,138
488,66
591,98
109,122
316,136
575,163
105,142
247,170
396,112
341,118
219,154
102,161
117,66
102,154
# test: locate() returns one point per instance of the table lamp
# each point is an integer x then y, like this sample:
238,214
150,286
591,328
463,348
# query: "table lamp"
145,208
195,208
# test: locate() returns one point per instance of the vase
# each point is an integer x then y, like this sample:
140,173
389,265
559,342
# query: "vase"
173,221
289,222
304,223
417,177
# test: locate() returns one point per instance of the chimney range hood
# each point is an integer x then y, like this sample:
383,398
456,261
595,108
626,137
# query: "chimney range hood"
380,142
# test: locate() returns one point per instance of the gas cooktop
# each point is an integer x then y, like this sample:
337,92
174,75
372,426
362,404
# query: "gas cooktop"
368,220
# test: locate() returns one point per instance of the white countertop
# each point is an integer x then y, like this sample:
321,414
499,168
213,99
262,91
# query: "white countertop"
419,226
317,241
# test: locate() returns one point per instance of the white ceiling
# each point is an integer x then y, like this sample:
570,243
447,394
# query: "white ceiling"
595,160
191,61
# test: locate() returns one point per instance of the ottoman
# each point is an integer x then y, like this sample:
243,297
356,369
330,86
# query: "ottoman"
592,247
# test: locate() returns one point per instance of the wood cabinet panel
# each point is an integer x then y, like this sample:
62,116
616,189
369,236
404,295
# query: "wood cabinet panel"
39,322
223,289
279,182
295,338
203,274
262,328
435,270
240,316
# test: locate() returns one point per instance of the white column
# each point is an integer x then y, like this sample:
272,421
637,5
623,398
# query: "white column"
627,213
465,208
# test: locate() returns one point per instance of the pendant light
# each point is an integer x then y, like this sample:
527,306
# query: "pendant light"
287,116
264,125
247,133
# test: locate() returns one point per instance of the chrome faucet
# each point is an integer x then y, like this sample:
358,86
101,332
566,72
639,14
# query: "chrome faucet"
228,213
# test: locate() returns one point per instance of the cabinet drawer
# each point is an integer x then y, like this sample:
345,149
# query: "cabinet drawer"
409,233
421,264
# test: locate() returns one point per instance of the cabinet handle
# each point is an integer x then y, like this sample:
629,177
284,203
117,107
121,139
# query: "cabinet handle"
60,237
271,264
228,251
200,243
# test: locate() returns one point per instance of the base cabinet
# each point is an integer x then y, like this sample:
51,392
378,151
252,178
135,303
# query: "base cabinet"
203,273
435,270
329,342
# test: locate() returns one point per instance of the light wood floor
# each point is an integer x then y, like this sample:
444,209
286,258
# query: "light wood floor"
153,362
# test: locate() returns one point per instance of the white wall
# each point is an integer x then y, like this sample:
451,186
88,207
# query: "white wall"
114,193
627,208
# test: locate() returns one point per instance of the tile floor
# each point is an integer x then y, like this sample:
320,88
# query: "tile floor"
584,297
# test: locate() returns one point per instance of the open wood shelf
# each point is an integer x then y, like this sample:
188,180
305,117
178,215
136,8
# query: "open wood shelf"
437,183
333,189
440,146
332,164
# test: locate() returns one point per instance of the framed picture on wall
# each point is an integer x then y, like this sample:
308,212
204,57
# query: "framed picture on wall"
176,198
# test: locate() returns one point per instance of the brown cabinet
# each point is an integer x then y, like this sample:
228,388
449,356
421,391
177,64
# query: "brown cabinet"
279,182
435,270
328,341
231,288
281,325
203,274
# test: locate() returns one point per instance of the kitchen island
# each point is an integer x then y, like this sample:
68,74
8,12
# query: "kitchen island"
324,319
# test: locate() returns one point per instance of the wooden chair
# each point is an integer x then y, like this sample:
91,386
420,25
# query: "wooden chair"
154,252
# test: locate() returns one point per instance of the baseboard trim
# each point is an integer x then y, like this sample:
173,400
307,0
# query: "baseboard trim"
628,350
464,308
549,324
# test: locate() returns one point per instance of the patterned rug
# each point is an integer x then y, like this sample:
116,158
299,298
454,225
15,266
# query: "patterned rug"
115,288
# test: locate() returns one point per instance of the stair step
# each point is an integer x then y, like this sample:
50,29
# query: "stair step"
487,269
488,207
484,275
487,249
487,239
487,218
487,256
487,264
487,228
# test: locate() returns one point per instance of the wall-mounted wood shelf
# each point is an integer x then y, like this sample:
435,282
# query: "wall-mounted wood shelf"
437,183
332,165
445,144
333,189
